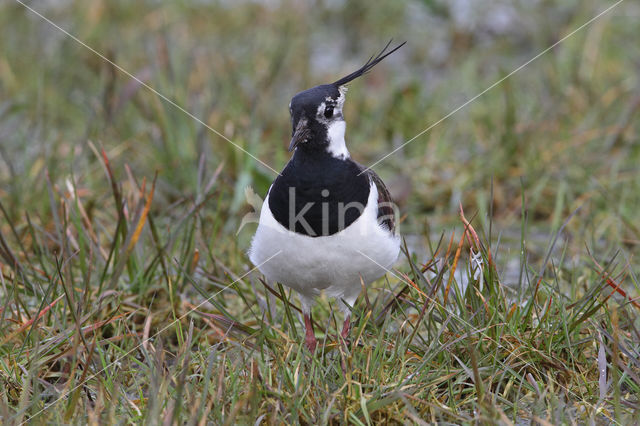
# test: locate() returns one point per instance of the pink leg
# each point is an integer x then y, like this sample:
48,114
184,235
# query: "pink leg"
346,328
310,337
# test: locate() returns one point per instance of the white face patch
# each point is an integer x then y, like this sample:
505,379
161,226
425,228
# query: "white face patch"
335,124
320,112
341,98
335,133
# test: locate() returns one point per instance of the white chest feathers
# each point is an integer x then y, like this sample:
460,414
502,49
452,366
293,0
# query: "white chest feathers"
333,263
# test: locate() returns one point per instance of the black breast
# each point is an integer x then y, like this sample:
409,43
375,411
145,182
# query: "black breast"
318,195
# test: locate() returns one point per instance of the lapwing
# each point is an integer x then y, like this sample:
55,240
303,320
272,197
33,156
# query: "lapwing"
327,223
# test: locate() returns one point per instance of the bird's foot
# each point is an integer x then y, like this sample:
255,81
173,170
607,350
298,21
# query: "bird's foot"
311,342
310,336
346,328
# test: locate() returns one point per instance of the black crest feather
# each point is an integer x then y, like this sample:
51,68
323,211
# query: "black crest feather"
372,62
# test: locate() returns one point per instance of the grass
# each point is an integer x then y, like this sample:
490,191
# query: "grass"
125,292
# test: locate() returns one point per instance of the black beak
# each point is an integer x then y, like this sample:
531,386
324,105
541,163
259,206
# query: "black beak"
300,134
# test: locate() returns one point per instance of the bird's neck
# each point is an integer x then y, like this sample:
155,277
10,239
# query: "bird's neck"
335,137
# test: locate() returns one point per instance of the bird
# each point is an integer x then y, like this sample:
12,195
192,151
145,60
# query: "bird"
327,223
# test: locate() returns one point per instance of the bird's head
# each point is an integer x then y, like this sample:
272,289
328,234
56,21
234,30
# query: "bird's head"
316,114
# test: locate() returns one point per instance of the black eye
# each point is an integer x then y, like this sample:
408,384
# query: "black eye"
328,112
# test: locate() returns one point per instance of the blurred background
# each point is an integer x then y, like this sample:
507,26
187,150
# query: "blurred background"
556,138
560,133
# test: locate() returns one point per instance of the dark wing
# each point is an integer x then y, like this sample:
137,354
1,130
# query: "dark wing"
386,213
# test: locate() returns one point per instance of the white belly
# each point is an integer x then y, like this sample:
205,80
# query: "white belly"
331,263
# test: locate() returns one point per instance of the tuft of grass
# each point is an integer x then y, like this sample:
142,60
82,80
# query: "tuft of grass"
125,291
